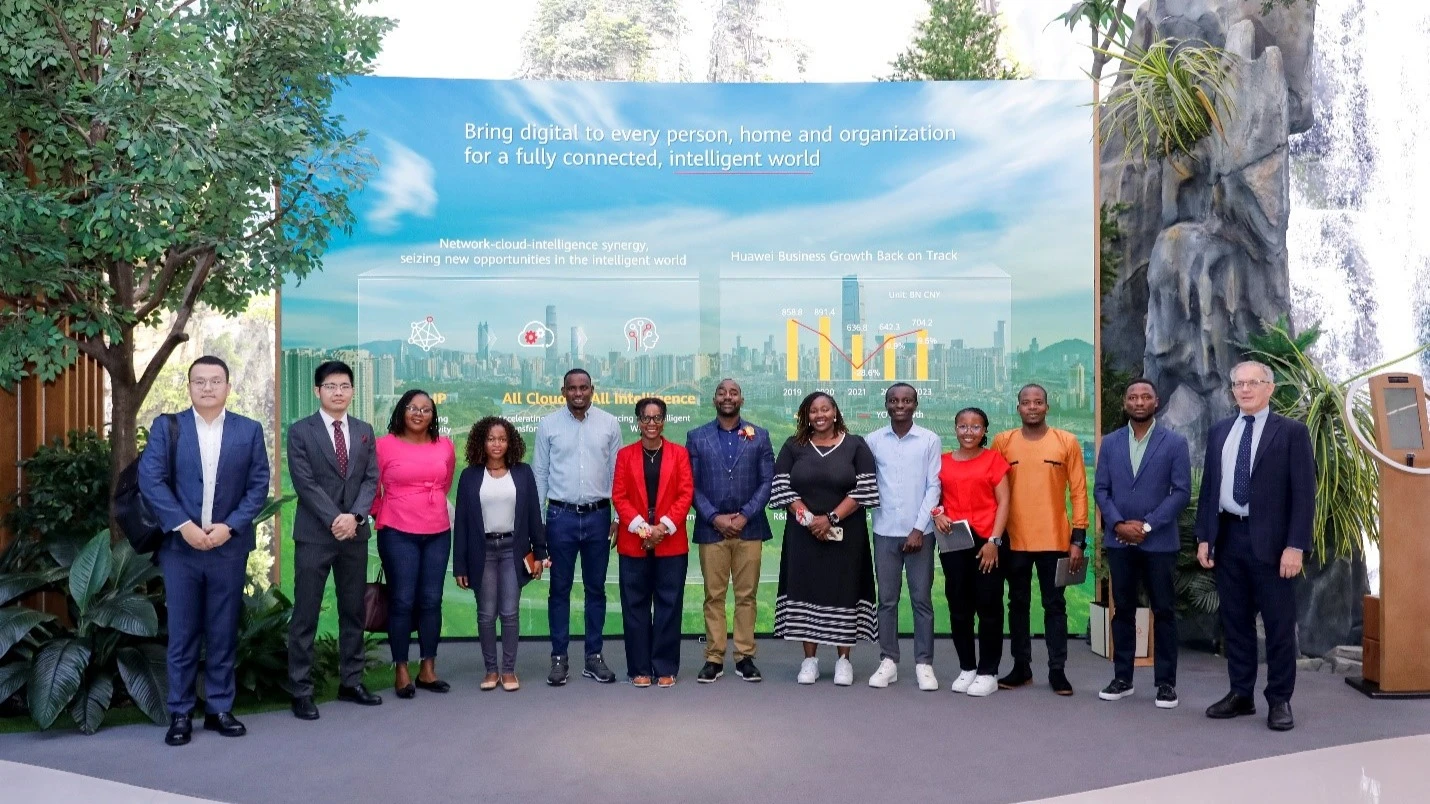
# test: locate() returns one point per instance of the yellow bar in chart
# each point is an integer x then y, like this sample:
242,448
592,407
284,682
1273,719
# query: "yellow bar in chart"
921,355
791,350
824,350
856,352
890,357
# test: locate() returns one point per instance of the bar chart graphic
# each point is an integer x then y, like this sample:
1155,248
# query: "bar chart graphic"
880,364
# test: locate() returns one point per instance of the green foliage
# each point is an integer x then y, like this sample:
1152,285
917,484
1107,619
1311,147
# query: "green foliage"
261,660
56,511
600,40
1167,95
1347,480
957,42
327,660
115,635
1195,585
1108,25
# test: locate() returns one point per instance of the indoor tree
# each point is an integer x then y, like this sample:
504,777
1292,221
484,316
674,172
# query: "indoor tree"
158,155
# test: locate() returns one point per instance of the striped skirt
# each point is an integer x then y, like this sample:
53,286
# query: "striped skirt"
826,589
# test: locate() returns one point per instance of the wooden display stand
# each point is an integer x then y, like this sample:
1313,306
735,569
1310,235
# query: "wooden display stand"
1396,646
1099,628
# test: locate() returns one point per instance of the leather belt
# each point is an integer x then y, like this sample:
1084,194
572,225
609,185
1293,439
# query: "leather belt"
1229,516
495,536
582,508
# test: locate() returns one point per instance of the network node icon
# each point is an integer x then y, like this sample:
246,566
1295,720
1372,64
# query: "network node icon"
536,335
641,335
425,335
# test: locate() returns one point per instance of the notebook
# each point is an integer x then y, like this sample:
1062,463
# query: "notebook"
959,537
1066,577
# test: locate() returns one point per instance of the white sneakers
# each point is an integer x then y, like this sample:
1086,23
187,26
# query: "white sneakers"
983,686
843,672
964,680
808,671
887,674
928,682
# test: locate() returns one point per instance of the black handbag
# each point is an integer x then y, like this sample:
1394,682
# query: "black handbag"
131,511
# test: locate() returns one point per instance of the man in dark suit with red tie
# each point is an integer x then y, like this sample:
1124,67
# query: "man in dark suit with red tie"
1254,521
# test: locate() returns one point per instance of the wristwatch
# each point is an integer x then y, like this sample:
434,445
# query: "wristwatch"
1146,527
997,541
360,519
833,518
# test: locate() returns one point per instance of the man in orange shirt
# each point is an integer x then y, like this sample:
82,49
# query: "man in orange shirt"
1046,467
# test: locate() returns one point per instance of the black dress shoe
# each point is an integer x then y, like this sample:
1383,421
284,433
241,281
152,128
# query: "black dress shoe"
1021,675
358,694
1232,705
225,723
181,730
437,685
1279,718
304,708
709,672
406,692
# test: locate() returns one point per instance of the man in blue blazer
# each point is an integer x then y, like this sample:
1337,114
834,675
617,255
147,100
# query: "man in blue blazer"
1142,485
207,502
1254,521
733,464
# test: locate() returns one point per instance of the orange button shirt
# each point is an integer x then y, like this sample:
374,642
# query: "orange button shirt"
1042,474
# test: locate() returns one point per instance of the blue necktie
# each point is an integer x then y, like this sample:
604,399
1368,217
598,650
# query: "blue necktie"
1241,480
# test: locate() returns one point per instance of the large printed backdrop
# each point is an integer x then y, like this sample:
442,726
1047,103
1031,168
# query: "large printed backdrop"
663,236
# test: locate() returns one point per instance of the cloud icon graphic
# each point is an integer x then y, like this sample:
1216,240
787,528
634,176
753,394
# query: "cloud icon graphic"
536,335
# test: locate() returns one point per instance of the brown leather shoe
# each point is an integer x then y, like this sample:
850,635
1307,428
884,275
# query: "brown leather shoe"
510,682
640,681
665,681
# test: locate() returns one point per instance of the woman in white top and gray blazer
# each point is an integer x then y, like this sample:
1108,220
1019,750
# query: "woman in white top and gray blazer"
498,522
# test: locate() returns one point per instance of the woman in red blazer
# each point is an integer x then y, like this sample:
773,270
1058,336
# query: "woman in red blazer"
652,492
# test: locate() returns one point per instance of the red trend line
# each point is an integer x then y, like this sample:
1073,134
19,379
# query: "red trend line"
847,359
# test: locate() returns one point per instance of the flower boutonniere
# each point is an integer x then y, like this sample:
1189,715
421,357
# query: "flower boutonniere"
747,432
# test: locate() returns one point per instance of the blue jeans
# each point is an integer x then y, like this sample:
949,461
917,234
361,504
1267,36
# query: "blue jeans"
416,567
499,594
568,535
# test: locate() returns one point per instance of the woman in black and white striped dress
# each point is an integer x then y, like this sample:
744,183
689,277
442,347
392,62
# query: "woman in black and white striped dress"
824,479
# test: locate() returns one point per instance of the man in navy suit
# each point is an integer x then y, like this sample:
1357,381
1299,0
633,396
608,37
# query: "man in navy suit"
1142,485
207,502
733,464
1254,520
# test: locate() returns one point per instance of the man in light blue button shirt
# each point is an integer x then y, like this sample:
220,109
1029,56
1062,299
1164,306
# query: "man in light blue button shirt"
574,464
906,458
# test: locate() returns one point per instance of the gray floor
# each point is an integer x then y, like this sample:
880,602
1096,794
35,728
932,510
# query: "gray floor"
774,741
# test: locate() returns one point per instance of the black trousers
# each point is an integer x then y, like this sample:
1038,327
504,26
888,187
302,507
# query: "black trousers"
1133,568
1018,566
312,561
971,591
652,592
1247,585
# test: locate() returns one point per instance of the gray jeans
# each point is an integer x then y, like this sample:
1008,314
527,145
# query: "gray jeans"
890,564
499,594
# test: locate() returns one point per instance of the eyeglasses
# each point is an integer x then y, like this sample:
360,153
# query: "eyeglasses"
1240,384
418,411
652,419
968,428
210,383
332,387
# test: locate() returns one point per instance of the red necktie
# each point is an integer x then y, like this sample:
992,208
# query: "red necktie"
341,444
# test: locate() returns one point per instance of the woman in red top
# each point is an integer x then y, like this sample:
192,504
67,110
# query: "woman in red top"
652,492
975,489
414,533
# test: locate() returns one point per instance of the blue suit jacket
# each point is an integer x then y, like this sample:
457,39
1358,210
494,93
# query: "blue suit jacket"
742,487
1283,488
239,494
1157,495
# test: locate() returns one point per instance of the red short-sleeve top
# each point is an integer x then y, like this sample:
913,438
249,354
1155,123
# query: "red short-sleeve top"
967,489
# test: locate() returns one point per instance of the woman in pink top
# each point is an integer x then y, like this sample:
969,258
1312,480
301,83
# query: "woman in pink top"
414,534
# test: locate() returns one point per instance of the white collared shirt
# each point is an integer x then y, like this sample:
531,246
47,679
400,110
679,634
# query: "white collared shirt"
1226,501
210,444
328,428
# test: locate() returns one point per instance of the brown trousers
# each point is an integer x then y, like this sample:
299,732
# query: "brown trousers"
721,562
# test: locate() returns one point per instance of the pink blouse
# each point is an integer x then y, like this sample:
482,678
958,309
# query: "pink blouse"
412,484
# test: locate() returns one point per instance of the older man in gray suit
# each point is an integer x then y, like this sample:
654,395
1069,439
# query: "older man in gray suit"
332,460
